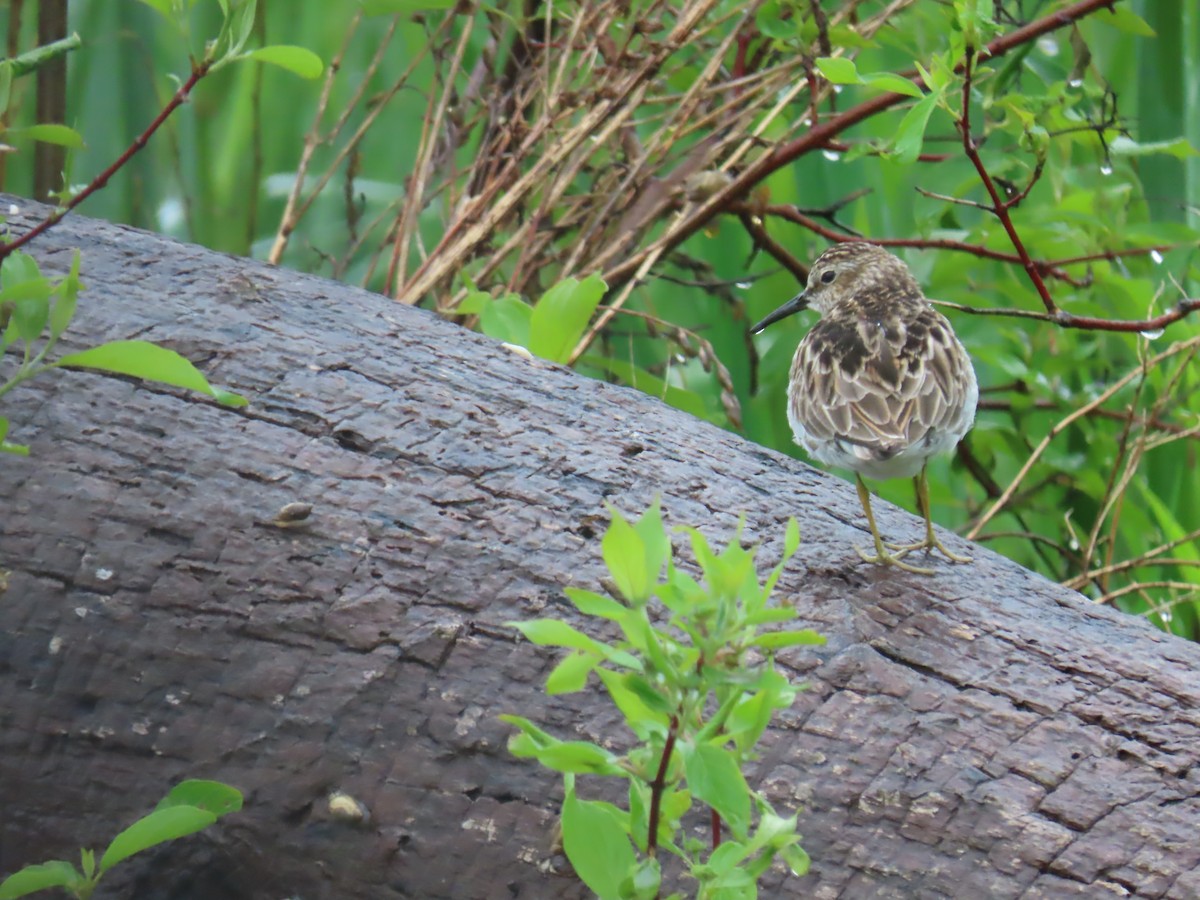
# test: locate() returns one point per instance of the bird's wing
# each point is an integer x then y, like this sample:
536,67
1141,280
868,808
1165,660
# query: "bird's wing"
881,385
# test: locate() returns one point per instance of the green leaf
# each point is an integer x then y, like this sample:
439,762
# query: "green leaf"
655,541
143,359
160,826
791,538
642,719
645,881
714,778
50,133
555,633
797,859
219,799
597,844
1178,148
773,640
507,319
52,874
910,135
561,316
580,757
5,446
571,674
840,70
537,737
297,60
1124,19
593,604
647,693
625,555
66,296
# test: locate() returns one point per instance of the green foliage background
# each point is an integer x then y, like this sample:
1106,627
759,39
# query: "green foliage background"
219,172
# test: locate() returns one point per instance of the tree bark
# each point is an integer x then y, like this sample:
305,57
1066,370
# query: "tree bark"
981,733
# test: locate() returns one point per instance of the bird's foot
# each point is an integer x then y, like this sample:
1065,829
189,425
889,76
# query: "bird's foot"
883,558
930,544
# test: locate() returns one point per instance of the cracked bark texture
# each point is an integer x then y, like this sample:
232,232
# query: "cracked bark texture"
981,733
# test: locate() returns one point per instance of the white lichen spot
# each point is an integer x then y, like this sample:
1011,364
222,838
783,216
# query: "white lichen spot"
56,644
173,699
486,826
81,611
468,721
964,631
13,209
302,690
277,700
142,727
104,574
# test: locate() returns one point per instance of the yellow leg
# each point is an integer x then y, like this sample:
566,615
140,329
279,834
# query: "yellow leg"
882,557
921,487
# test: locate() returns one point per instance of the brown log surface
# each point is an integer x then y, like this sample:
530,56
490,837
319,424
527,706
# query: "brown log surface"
981,733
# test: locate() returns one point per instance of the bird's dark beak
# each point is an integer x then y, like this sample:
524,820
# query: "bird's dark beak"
795,305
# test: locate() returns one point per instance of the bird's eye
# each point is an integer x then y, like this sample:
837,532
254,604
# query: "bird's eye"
828,275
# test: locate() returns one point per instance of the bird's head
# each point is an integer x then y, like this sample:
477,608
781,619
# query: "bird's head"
842,272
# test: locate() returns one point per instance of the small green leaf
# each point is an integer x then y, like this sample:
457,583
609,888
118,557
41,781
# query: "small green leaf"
50,133
507,319
796,858
890,81
555,633
645,881
297,60
791,538
580,757
143,359
625,555
219,799
561,316
642,719
160,826
773,640
593,604
87,862
1178,148
655,541
714,778
571,674
1124,19
66,294
910,135
597,844
840,70
538,737
5,446
56,873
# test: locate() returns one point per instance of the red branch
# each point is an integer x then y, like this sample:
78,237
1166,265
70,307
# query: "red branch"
199,70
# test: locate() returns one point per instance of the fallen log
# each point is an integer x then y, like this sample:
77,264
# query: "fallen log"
981,733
